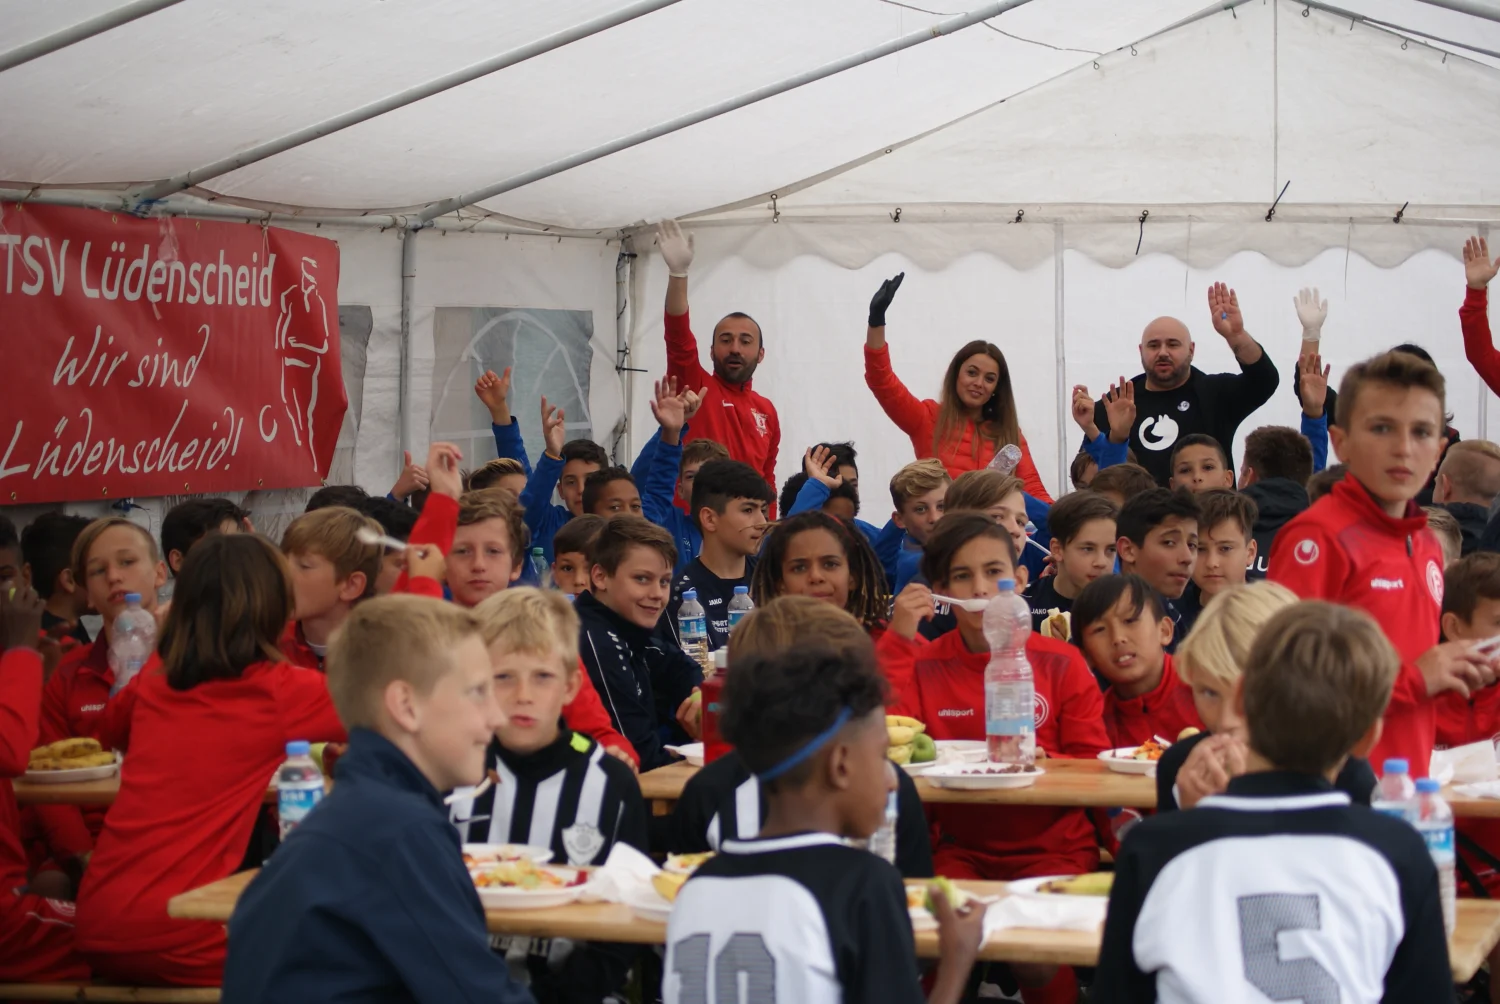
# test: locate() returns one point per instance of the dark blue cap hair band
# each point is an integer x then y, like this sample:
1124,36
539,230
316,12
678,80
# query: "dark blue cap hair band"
806,752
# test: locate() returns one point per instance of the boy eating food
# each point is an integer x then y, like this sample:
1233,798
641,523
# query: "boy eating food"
332,570
371,888
1083,548
1280,889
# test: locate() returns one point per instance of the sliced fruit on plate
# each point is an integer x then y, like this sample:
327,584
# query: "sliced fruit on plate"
667,885
1088,884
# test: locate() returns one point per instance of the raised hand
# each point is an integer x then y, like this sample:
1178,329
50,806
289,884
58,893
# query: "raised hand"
1478,269
669,408
1083,412
816,463
676,248
443,477
1119,408
494,392
1312,312
882,299
692,400
1313,382
1224,305
413,478
553,431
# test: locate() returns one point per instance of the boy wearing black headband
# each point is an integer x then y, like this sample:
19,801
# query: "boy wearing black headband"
797,912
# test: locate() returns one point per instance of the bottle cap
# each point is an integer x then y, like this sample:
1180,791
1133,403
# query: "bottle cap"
132,597
1396,765
721,658
1006,585
535,551
691,594
1428,785
742,590
298,747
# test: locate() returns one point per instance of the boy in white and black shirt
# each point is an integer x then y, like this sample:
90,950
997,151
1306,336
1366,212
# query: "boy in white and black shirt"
795,914
550,787
1280,889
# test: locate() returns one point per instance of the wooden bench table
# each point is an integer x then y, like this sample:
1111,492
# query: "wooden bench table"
1477,933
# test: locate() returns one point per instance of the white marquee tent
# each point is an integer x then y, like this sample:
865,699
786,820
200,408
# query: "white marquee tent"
1050,179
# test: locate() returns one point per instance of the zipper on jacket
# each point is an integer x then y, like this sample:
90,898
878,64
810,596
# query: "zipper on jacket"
1408,546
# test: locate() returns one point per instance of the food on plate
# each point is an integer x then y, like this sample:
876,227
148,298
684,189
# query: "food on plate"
1057,624
667,884
1148,750
70,754
523,874
686,864
902,735
1187,733
498,854
994,769
923,749
899,754
957,898
1088,884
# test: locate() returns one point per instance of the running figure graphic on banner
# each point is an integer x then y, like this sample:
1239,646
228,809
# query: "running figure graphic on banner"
301,360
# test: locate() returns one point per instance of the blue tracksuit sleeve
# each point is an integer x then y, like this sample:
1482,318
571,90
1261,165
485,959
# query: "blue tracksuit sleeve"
1105,453
1316,431
658,482
433,932
542,517
812,496
643,460
508,443
887,542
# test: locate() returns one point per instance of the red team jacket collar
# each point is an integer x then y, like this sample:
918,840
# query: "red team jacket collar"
1356,496
92,659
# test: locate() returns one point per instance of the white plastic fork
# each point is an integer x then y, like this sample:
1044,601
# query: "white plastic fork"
368,536
973,605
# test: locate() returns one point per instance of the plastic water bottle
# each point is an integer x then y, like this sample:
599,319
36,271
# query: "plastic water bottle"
1434,820
692,631
883,841
131,642
299,785
539,566
740,605
1395,795
1006,459
1009,692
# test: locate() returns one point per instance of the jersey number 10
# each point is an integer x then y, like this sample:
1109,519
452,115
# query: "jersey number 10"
744,954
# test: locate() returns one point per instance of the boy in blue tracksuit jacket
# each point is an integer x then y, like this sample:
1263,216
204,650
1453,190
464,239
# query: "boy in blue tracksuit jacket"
369,898
659,497
562,466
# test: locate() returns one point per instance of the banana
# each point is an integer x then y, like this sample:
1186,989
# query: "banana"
900,735
905,721
899,754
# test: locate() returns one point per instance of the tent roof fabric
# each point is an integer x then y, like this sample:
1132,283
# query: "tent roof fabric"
1058,103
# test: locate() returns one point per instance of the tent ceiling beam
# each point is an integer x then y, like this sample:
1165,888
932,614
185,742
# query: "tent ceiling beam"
1392,27
944,27
78,32
427,89
1471,7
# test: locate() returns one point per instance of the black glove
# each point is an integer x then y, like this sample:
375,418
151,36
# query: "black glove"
882,301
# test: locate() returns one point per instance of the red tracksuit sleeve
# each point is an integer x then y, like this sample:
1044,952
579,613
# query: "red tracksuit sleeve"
20,708
1479,346
899,404
1081,721
436,525
773,448
306,709
585,713
682,353
112,728
898,660
1027,472
54,720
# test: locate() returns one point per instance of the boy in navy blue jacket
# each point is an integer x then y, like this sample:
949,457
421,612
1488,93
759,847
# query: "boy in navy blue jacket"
369,899
565,467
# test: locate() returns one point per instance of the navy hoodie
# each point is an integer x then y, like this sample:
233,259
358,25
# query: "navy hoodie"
368,900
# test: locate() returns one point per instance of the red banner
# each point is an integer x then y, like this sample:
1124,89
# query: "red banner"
163,357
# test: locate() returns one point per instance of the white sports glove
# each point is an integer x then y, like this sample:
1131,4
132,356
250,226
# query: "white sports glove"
676,248
1312,313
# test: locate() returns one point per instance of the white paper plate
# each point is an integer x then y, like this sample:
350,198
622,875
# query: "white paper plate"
81,774
648,905
691,752
959,776
1121,762
1031,888
496,898
485,854
949,750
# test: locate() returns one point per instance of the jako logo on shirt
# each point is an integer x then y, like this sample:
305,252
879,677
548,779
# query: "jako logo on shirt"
1306,552
956,713
1435,582
1158,433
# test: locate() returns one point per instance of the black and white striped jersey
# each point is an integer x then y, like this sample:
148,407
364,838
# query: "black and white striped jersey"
724,802
791,920
570,796
1277,890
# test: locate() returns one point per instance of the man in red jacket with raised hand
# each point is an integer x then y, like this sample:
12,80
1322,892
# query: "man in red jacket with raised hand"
1367,544
731,413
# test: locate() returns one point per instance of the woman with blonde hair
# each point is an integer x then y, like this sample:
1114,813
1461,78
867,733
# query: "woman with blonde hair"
1210,661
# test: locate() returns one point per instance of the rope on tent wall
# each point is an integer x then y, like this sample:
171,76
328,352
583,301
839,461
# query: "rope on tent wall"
1400,212
1272,211
1144,213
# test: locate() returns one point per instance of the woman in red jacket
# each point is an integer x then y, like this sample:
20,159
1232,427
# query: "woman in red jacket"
204,734
977,413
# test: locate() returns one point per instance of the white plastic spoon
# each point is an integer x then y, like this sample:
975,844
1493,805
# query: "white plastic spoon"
368,536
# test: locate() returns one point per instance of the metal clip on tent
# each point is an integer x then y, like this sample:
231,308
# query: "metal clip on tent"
896,216
1400,212
1272,211
1140,239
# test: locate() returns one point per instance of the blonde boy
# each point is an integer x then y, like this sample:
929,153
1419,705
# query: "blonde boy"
917,492
332,570
360,892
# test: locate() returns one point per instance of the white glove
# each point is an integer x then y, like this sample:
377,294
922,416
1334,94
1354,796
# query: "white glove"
676,248
1312,313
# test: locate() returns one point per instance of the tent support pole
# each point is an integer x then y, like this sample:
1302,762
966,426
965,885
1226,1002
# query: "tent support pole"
80,31
1484,390
624,284
408,287
437,85
1467,7
945,27
1396,29
1064,396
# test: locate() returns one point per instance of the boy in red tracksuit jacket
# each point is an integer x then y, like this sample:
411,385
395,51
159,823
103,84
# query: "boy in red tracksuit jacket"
1366,544
1122,626
36,934
731,413
942,683
479,543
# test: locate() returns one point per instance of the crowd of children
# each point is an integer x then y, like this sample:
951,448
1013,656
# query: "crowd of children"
430,668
